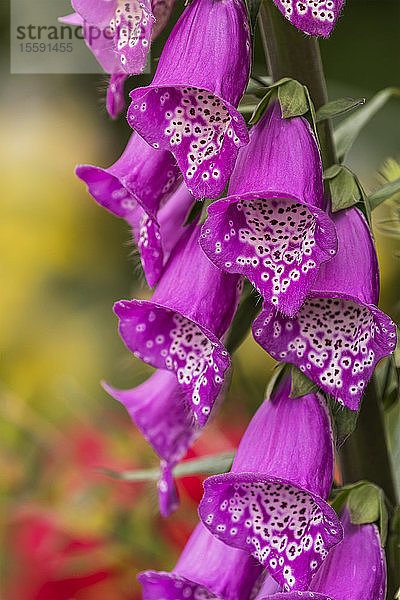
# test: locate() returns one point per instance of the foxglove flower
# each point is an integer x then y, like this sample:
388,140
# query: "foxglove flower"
339,334
190,107
354,569
180,328
141,177
160,410
271,227
272,503
207,569
315,17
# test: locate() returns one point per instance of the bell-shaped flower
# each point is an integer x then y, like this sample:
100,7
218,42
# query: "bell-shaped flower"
354,569
141,176
271,227
339,334
206,569
315,17
273,501
180,328
160,410
190,106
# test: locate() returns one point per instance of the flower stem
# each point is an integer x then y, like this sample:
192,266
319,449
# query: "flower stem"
289,53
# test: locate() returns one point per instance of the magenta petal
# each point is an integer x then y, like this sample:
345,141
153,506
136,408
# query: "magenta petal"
313,17
338,335
115,101
278,243
162,10
141,175
168,498
272,228
156,240
72,19
189,108
272,503
95,12
131,25
356,567
179,329
206,569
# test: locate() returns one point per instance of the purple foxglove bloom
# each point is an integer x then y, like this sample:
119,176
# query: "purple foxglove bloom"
315,17
339,334
272,503
354,569
115,100
180,328
160,410
271,227
141,176
206,569
190,107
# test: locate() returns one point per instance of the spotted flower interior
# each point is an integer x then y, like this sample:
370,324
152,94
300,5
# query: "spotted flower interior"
167,340
315,17
286,529
277,243
131,26
170,586
202,131
336,342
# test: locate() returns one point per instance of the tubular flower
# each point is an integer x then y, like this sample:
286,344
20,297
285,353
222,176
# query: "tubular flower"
180,328
271,227
190,107
160,410
206,569
272,503
315,17
354,569
141,176
339,334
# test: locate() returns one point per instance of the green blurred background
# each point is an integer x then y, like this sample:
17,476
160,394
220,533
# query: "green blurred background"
69,531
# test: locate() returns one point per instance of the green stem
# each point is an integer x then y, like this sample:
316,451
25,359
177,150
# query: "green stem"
290,53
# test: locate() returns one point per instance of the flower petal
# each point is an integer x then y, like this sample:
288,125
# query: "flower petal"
315,18
179,329
190,106
141,175
162,10
115,101
168,498
277,242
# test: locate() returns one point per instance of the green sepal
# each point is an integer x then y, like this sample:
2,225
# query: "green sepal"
210,465
261,107
367,504
349,129
343,420
279,371
249,307
387,192
194,212
293,99
337,107
346,191
301,384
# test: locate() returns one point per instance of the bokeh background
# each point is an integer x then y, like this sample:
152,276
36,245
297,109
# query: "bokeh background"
68,531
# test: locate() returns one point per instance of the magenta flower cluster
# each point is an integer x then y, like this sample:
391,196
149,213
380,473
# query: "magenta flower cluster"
266,529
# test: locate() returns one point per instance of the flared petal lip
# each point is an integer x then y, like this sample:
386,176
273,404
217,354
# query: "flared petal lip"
170,579
122,309
295,595
211,485
81,169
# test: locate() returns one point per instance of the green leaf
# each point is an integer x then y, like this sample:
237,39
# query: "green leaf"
386,192
343,187
261,107
212,465
364,504
293,99
194,213
301,384
249,307
343,419
338,107
349,129
383,519
252,6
